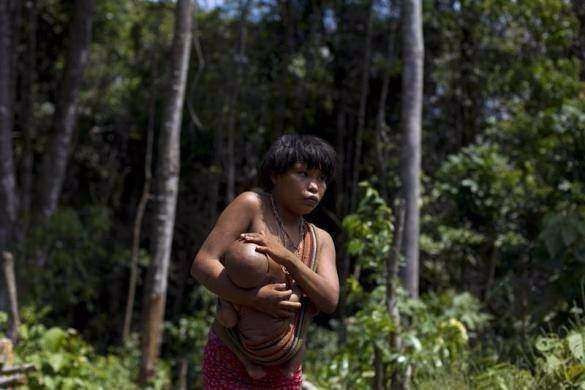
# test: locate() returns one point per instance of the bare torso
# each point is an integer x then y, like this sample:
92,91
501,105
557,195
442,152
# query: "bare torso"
253,325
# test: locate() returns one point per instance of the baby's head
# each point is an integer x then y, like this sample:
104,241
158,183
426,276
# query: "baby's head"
245,267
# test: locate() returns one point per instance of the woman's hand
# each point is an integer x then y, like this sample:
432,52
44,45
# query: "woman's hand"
273,299
269,246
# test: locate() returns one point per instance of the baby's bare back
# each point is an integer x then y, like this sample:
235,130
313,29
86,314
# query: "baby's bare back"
249,269
256,326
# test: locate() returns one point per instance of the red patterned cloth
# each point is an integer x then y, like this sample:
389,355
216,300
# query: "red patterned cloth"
223,370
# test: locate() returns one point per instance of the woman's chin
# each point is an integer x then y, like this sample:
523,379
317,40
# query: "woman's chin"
307,209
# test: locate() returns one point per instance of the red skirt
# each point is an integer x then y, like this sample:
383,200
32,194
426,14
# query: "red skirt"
223,370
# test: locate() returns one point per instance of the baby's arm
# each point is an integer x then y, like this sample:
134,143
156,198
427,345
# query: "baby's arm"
209,271
226,313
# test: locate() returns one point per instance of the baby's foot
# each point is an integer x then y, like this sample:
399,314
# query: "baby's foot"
255,372
290,368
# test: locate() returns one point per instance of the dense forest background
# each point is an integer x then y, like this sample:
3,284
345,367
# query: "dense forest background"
84,95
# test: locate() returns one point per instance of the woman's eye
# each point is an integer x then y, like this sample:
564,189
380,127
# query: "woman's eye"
303,173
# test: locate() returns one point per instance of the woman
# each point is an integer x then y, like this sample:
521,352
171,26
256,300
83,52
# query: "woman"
295,173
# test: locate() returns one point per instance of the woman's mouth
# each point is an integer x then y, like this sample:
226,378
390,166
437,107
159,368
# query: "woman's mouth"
312,200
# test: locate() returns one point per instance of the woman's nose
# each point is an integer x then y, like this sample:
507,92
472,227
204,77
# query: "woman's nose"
313,186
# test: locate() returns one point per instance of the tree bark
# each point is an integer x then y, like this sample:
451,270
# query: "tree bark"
27,114
8,198
8,268
167,188
8,188
55,159
183,371
239,61
288,20
340,209
379,379
392,267
139,216
382,129
411,111
364,89
579,45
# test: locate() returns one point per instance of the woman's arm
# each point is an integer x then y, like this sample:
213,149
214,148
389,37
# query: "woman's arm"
322,286
208,270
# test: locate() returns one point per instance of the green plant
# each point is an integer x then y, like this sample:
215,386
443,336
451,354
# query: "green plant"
64,360
561,360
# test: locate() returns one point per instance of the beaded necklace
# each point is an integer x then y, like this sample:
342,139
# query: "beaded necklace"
283,236
282,233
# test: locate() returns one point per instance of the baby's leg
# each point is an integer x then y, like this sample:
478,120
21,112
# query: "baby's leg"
255,371
226,314
291,366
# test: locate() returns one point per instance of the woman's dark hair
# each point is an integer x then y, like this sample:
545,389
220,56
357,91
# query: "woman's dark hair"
292,148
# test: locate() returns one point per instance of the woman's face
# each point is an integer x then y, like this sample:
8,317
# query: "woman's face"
299,189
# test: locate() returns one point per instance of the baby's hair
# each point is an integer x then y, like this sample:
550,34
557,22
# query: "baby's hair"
290,149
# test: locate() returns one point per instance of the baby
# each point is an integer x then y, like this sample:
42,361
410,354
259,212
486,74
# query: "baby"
247,268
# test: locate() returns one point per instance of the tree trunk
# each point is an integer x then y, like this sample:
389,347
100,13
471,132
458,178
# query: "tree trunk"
139,216
8,198
411,111
288,20
8,268
340,209
392,266
27,114
55,159
579,11
364,89
183,371
167,188
382,129
340,196
239,61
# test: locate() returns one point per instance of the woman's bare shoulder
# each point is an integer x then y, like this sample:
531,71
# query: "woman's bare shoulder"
249,198
323,237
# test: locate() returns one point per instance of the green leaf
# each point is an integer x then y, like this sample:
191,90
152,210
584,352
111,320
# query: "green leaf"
56,361
544,344
552,363
553,244
569,234
355,246
575,343
54,339
574,371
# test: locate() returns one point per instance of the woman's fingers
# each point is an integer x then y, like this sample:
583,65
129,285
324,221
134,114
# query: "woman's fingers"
284,295
288,309
262,249
289,305
254,240
252,236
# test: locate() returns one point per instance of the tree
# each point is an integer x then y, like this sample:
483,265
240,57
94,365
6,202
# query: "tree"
233,98
167,182
8,199
55,159
411,112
